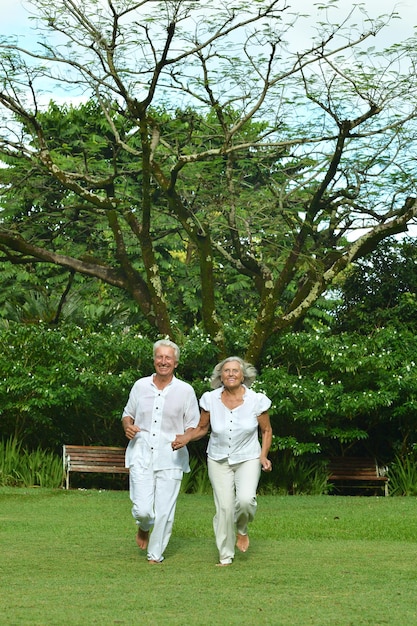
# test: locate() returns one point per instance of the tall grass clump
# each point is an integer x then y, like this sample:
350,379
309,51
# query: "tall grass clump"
402,474
197,480
23,468
293,475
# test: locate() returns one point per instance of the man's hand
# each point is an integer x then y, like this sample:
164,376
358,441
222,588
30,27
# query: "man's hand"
130,428
131,431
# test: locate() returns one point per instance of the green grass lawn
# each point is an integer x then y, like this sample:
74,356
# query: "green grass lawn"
69,557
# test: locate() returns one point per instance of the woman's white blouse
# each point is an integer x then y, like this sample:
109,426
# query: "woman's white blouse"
234,432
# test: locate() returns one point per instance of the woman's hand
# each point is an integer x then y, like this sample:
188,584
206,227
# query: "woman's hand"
192,434
266,464
179,442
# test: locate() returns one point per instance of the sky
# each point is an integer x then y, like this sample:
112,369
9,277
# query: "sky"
15,22
14,17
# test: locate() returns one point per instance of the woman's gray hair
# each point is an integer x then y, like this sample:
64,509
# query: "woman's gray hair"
248,371
169,344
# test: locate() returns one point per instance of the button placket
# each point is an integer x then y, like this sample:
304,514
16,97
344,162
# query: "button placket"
156,420
231,422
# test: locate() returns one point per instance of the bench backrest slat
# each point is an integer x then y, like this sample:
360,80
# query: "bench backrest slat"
356,469
94,459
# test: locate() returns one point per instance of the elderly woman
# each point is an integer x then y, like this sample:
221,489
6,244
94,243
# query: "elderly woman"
234,414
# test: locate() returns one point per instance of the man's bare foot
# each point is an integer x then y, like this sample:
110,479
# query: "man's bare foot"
242,542
222,564
142,539
152,562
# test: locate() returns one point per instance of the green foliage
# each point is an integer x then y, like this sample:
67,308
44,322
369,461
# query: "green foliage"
295,475
198,357
43,297
342,394
42,292
23,468
380,289
68,384
402,474
197,480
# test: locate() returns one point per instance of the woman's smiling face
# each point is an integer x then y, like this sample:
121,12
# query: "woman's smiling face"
232,375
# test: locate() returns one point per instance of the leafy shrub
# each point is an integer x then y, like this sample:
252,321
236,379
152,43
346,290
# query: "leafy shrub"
67,384
342,394
38,468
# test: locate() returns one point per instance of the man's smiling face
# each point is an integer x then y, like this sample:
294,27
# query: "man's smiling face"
164,361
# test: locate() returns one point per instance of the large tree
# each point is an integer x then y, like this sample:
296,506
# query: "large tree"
288,162
380,289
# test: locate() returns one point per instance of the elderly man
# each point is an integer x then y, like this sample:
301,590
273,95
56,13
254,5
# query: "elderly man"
159,407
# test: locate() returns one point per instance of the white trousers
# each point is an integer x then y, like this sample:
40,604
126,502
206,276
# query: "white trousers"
154,497
234,491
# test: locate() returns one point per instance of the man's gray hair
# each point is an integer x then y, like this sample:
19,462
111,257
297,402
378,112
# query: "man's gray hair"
169,344
248,371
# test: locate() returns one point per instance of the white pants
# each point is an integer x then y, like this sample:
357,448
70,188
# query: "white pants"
234,491
154,497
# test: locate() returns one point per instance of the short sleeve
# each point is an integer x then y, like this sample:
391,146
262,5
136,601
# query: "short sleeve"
262,403
205,401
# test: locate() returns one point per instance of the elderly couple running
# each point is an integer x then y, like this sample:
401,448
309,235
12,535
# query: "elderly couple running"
162,416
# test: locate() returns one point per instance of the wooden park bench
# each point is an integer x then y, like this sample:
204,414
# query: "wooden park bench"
93,459
356,472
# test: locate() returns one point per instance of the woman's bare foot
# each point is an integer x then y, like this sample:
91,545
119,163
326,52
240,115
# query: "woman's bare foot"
142,539
152,562
222,564
242,542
